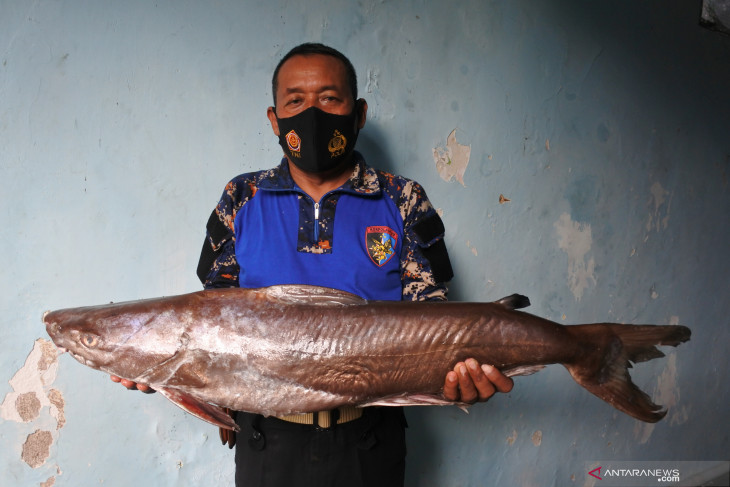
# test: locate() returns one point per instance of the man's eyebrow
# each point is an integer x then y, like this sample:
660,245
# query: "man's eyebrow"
295,89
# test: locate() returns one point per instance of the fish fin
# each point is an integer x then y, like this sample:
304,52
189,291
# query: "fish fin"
207,412
523,370
323,296
415,400
515,301
608,376
183,368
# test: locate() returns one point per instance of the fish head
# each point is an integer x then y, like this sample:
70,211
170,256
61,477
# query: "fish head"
114,338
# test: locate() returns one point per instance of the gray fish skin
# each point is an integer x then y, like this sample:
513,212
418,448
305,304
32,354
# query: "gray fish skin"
290,349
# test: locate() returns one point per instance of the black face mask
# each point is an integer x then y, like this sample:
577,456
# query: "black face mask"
317,141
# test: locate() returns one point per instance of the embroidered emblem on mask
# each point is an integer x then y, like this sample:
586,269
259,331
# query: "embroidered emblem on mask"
381,243
337,144
294,142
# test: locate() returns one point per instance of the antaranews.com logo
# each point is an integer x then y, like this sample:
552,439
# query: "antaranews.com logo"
659,473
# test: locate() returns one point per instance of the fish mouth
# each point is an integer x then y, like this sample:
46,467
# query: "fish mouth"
83,360
60,350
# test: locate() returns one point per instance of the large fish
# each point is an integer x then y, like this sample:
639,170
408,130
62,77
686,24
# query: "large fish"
290,349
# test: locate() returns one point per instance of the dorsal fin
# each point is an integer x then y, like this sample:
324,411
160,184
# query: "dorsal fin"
315,295
515,301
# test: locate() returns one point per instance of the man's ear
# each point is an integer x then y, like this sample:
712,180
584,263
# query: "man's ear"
271,113
362,112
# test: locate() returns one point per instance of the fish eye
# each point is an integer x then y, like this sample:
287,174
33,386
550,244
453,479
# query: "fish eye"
89,340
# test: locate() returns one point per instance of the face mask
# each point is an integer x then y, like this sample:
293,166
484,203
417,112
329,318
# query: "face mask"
317,141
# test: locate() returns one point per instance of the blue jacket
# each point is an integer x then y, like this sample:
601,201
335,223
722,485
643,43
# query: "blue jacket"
376,236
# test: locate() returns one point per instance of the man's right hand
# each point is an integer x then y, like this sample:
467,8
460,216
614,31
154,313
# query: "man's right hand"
133,385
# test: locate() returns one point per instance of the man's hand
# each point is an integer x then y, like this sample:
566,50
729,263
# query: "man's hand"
133,385
469,382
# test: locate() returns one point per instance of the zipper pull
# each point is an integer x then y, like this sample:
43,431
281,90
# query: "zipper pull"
316,223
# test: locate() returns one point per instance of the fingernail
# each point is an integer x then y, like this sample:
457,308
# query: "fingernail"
473,365
462,370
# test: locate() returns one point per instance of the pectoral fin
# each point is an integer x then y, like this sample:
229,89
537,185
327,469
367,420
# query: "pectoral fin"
416,400
523,370
207,412
185,368
312,295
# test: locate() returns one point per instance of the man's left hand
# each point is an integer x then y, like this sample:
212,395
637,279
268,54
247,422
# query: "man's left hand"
470,382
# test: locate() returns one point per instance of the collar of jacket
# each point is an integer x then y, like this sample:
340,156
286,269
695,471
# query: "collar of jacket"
364,179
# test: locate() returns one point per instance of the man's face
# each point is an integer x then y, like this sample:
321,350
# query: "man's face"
311,80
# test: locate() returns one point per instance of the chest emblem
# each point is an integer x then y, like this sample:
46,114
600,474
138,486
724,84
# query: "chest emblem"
381,244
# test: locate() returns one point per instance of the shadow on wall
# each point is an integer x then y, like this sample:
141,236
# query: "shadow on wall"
369,145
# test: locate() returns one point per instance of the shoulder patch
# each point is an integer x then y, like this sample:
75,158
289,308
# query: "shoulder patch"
438,257
430,234
429,229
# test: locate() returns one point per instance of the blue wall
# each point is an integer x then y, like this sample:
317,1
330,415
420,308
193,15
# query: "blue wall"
605,124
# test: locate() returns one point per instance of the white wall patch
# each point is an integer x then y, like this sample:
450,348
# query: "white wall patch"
575,239
451,161
660,204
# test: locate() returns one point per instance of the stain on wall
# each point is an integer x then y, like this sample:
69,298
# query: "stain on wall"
537,438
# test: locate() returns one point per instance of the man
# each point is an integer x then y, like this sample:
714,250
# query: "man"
324,217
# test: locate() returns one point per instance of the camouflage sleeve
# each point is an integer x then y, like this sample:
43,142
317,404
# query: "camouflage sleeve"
425,265
218,266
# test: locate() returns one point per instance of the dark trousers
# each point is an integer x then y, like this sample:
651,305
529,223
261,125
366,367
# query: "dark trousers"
369,451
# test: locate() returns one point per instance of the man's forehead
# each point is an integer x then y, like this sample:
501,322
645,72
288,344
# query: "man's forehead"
301,66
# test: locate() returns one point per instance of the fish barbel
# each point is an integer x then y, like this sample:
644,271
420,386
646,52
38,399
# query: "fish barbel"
295,349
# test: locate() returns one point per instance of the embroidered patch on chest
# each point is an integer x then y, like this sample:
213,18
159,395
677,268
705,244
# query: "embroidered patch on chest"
381,243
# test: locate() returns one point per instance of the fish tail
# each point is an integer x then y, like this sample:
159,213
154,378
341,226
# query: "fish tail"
606,374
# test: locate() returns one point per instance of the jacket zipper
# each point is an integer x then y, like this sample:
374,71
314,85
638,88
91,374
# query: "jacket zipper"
316,223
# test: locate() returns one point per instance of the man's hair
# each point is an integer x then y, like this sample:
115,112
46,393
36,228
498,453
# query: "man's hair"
309,48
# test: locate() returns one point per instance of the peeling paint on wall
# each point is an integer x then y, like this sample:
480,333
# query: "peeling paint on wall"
28,406
660,203
472,248
575,239
30,382
36,448
57,406
451,161
31,393
372,83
